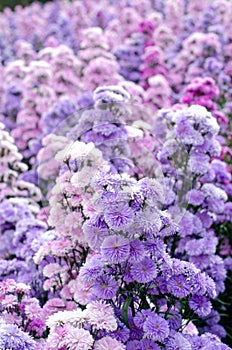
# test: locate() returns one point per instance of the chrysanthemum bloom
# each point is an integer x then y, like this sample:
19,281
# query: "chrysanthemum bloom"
156,328
105,287
195,197
12,338
200,305
179,286
77,338
101,315
108,343
148,344
141,317
144,271
91,270
137,250
178,342
119,216
199,163
94,235
75,317
188,135
115,249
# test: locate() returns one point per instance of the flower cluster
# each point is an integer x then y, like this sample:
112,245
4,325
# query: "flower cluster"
115,175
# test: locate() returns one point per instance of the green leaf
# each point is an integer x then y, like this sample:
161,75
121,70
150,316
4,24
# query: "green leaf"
125,311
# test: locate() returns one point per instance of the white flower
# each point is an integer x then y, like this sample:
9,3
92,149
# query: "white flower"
60,318
75,150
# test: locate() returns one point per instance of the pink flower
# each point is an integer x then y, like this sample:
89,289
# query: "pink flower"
77,338
108,343
101,315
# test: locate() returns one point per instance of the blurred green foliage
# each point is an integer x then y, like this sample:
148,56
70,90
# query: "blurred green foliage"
13,3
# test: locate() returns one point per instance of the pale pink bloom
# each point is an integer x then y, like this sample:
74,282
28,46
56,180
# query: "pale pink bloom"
108,343
33,308
190,329
53,305
55,338
60,247
11,318
77,338
51,269
82,293
101,316
9,301
49,284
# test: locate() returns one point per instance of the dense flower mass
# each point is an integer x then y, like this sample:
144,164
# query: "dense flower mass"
115,175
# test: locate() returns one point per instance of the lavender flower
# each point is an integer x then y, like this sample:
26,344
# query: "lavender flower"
12,338
144,271
107,342
156,328
200,305
178,342
120,217
179,286
115,249
105,287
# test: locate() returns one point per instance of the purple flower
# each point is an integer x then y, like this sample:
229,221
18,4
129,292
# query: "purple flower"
200,305
218,330
12,338
195,197
148,220
133,345
122,333
91,269
199,163
144,271
179,286
145,344
119,216
174,319
94,232
105,287
141,317
188,134
178,342
137,250
115,249
186,225
156,328
213,318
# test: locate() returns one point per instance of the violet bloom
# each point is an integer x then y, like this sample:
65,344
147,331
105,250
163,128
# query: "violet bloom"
119,217
179,286
186,225
137,250
94,233
145,344
195,197
144,271
107,342
91,270
115,249
12,338
200,305
105,287
178,342
199,163
141,317
156,328
188,134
